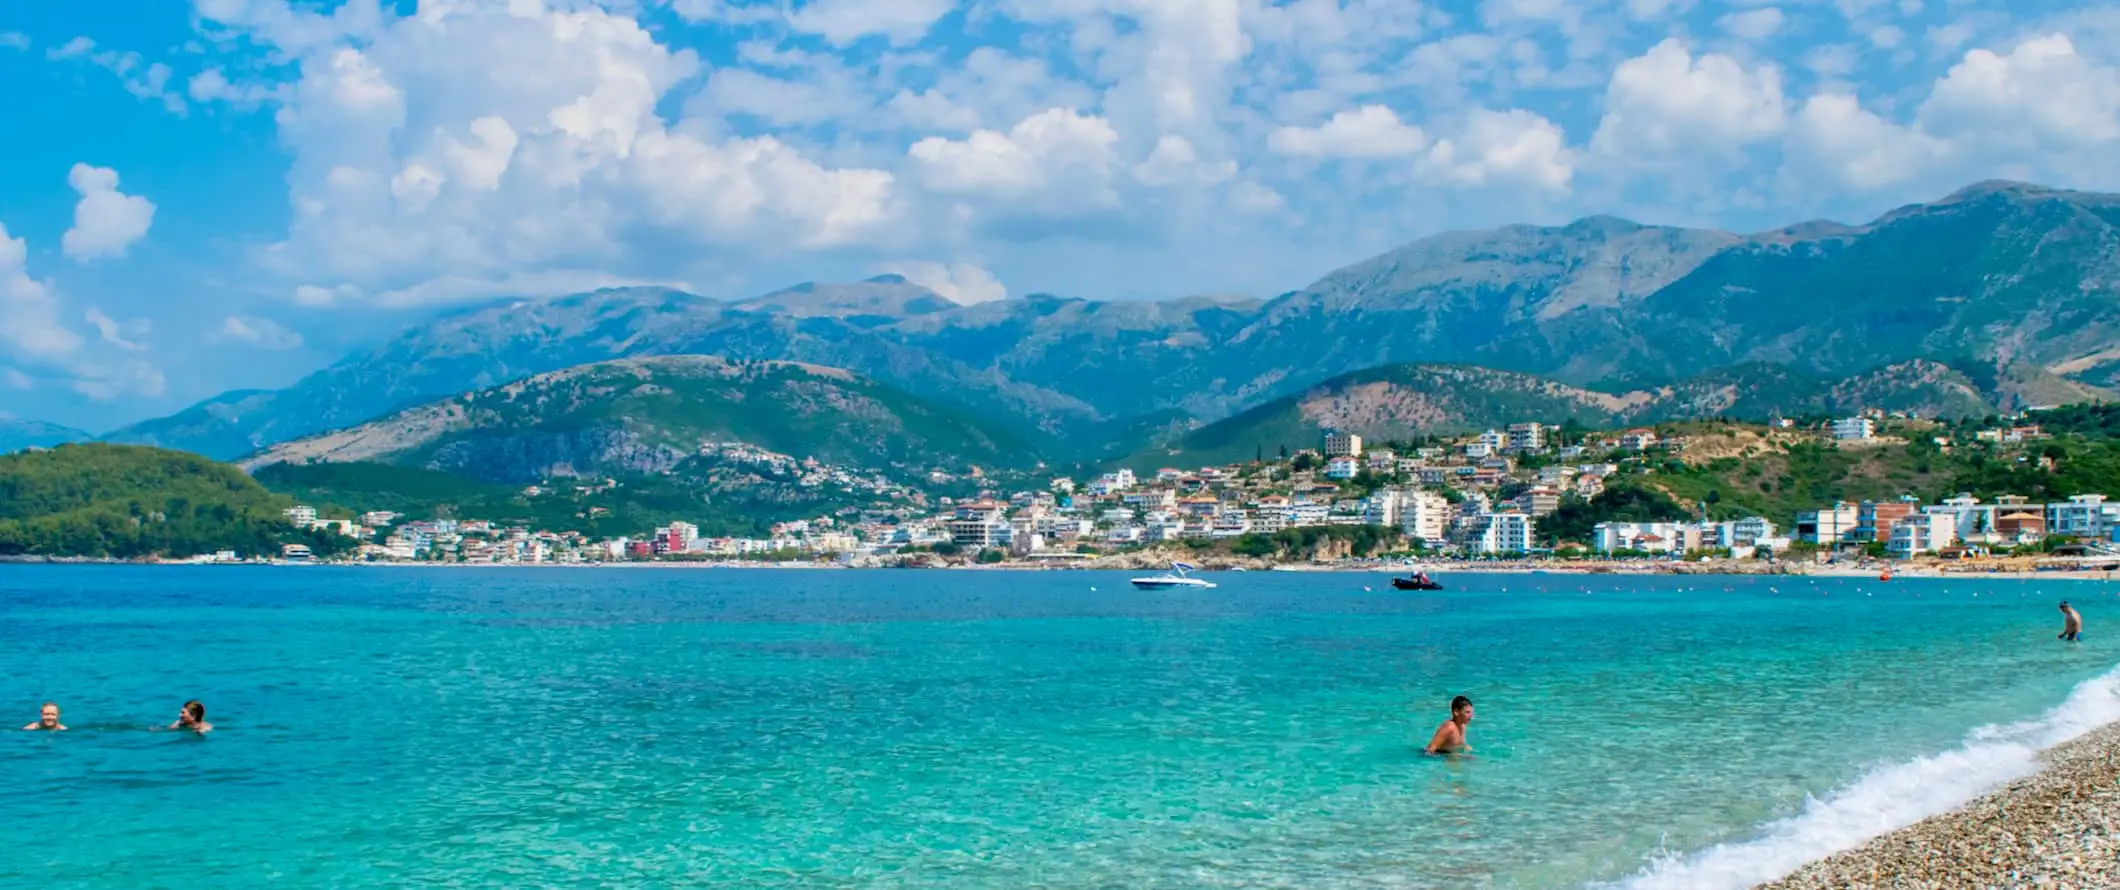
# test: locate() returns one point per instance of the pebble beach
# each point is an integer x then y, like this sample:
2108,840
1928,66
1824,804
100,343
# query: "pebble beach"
2058,828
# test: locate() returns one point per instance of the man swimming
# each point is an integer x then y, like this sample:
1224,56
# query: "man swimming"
1450,737
193,718
47,720
2071,623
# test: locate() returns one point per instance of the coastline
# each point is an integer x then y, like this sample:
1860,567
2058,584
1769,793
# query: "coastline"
2059,827
1154,561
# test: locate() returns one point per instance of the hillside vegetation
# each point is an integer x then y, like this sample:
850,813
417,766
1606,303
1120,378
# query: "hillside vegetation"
127,502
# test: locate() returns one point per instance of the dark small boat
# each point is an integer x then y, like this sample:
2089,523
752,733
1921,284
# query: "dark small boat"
1415,584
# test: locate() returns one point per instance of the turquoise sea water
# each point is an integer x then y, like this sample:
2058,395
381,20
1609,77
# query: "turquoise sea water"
985,729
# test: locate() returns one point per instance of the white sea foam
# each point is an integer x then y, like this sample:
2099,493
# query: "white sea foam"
1889,798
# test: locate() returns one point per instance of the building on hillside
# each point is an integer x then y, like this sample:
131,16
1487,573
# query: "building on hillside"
1854,428
1638,440
1874,519
1527,437
1539,501
2083,516
1381,508
1922,533
302,515
1343,467
1425,515
1830,527
1339,444
979,526
1503,533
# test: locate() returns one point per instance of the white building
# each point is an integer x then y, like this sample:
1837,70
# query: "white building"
302,515
1113,482
1342,468
1339,444
1426,516
1922,533
1827,528
1638,440
2084,516
1381,508
1527,437
1854,428
979,526
1503,533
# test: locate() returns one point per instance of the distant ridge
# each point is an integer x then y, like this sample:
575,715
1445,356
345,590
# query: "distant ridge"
2020,279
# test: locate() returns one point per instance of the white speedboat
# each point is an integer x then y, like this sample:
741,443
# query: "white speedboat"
1176,577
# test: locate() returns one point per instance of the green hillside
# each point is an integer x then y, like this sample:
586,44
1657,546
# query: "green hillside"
1391,402
647,416
721,500
127,502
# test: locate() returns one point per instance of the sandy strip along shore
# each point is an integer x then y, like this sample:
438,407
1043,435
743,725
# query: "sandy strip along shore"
2057,828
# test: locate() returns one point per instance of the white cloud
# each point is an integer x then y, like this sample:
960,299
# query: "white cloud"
211,85
1666,105
844,21
1175,162
14,40
1371,131
1834,138
1057,150
106,221
41,348
1514,147
475,142
961,283
263,333
2042,96
146,80
30,325
125,336
1752,24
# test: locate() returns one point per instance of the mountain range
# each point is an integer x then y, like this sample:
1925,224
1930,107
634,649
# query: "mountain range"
2005,293
1409,400
650,416
16,435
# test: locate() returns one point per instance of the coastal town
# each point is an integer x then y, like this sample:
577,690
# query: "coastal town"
1479,497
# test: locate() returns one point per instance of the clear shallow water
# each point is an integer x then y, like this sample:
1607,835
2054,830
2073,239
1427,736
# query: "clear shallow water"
894,728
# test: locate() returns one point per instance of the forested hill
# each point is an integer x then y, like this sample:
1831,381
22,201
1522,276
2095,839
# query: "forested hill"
128,502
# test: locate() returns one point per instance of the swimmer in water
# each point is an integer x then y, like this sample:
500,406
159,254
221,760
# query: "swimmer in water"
2071,623
1450,737
47,720
193,718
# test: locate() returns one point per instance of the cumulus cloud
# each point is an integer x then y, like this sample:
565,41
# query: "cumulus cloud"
1514,147
1667,105
1059,153
146,80
41,348
264,333
845,21
1371,131
30,325
479,141
961,283
106,221
1752,24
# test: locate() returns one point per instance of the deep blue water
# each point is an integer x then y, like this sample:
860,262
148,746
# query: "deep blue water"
978,729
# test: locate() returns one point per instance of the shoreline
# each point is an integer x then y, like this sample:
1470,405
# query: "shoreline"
1156,562
1139,562
2058,827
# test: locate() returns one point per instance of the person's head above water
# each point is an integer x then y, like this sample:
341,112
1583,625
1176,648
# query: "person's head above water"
1461,709
193,714
47,718
2064,605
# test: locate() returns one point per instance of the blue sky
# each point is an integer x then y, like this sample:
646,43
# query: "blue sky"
229,193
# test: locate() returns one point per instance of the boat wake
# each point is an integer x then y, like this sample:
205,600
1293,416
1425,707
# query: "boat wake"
1888,798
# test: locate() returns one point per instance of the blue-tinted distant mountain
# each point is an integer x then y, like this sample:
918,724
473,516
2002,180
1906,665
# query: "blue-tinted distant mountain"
16,435
2015,287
